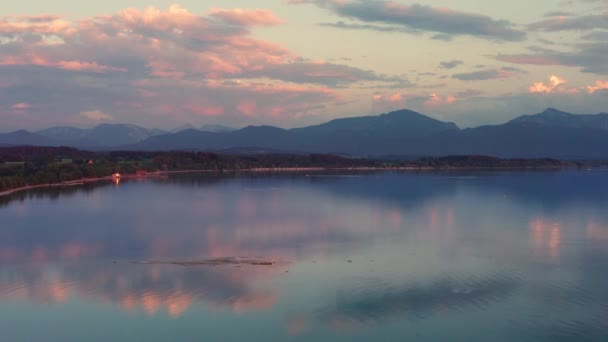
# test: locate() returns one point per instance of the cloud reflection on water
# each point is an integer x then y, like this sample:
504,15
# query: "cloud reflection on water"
507,233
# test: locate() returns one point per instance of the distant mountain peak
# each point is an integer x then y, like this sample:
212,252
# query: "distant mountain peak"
404,132
555,112
552,117
403,112
217,128
552,110
182,128
261,128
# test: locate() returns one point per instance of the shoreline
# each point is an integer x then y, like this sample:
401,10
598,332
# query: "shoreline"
83,181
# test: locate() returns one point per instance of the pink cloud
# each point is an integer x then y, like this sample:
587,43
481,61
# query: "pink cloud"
432,99
175,65
191,43
173,43
540,87
247,17
599,85
86,66
165,70
252,102
21,106
555,84
394,98
396,101
152,17
45,25
437,100
72,65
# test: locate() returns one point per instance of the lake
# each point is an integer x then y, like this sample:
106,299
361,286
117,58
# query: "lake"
387,256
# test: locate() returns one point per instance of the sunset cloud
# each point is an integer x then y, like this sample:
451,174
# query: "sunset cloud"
437,100
169,43
569,23
86,66
450,64
599,85
554,84
45,25
419,17
421,102
588,54
247,17
549,87
167,64
21,106
292,66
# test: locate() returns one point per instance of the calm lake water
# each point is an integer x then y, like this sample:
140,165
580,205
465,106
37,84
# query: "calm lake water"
458,256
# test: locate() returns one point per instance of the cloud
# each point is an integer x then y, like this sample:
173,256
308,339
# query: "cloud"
247,17
418,17
469,93
596,35
599,85
371,27
540,87
324,73
96,115
43,25
164,66
21,106
170,43
422,102
450,64
587,53
437,100
555,84
589,56
568,23
236,102
394,98
62,64
86,66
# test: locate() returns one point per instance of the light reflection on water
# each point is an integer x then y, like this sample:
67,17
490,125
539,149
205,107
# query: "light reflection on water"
470,256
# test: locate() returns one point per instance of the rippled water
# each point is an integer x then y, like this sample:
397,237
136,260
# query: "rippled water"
460,256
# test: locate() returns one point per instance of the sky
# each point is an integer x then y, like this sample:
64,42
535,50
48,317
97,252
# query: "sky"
292,63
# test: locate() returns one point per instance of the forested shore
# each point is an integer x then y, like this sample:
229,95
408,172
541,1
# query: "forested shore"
22,167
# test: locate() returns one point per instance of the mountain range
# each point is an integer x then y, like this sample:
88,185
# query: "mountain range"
552,133
103,136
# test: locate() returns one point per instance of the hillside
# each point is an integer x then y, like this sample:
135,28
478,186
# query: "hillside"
552,133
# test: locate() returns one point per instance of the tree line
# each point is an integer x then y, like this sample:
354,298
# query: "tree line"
24,166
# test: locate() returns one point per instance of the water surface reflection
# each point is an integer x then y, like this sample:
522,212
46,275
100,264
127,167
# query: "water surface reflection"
466,255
